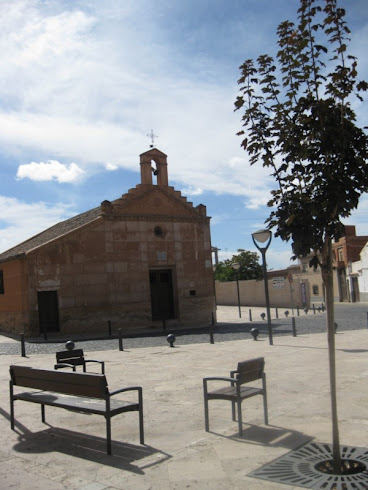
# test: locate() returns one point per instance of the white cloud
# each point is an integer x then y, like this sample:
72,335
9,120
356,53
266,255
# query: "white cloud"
192,191
93,99
51,170
21,220
111,167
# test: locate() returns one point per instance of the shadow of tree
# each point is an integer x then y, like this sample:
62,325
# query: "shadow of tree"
271,435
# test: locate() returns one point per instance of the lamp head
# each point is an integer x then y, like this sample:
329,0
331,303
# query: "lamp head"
262,236
235,266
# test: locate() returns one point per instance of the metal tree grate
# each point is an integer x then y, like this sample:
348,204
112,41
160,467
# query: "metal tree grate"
298,468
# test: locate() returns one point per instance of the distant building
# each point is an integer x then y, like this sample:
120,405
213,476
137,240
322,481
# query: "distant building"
137,261
301,285
359,276
345,251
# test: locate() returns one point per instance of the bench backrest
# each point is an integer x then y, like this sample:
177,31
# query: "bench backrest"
251,370
83,384
74,357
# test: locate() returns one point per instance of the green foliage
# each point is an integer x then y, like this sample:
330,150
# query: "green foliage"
249,267
299,122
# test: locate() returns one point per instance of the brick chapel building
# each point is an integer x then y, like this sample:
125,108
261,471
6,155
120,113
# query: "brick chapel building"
135,261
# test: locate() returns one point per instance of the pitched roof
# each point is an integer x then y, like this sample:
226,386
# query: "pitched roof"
55,231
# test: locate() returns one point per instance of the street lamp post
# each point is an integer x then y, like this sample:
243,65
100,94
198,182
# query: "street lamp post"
264,237
236,267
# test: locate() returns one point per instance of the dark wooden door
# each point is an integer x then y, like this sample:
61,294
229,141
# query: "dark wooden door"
48,312
355,296
162,297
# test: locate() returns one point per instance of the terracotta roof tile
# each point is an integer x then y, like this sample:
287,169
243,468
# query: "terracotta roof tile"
51,233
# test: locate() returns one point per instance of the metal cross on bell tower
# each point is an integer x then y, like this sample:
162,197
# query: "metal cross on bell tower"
152,135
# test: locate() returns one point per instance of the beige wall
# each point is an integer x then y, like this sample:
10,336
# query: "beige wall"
252,293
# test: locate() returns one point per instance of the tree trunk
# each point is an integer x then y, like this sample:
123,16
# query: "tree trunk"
330,317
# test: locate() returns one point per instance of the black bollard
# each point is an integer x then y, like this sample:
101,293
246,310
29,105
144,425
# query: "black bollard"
297,310
171,339
109,327
314,309
250,315
120,339
293,326
22,344
277,312
212,341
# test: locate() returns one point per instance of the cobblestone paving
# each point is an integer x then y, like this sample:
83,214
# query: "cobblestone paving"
347,316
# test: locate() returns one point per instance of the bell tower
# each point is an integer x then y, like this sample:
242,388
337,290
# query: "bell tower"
160,159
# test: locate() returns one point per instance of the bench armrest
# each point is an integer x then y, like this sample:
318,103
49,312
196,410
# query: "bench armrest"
219,378
61,365
93,360
130,388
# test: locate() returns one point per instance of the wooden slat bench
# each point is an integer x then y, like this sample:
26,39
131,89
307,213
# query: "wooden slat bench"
79,392
235,391
73,358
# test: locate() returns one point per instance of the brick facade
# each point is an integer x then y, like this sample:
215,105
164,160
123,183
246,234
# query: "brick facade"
135,262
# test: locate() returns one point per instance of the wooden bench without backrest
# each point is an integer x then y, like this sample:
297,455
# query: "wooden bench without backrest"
236,392
80,392
73,358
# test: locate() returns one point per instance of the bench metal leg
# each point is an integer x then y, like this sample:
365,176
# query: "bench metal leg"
240,420
43,414
108,434
206,419
265,408
141,426
11,406
233,409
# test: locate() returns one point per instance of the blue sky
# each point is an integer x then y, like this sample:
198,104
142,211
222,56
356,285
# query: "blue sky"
83,83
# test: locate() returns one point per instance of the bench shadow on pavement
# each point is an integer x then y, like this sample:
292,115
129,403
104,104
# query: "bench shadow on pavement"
270,435
134,458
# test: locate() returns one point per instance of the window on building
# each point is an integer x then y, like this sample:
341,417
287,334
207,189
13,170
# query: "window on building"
315,290
1,282
340,255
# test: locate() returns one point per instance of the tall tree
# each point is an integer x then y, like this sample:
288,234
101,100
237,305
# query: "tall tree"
298,121
250,267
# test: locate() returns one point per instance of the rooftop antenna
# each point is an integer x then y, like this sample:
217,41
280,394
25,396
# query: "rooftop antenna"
152,135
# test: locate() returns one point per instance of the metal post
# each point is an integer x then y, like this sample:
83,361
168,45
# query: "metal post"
237,287
23,347
267,297
212,341
314,309
120,339
293,326
297,310
250,315
277,312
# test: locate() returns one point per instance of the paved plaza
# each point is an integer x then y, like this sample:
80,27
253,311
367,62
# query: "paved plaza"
69,451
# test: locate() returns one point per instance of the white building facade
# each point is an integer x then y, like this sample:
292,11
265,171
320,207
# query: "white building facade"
359,273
